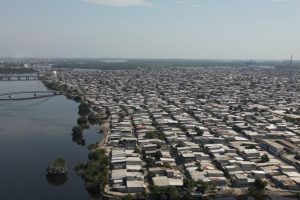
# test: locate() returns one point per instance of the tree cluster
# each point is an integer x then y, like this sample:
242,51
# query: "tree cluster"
154,135
95,171
93,118
84,109
264,158
57,167
77,136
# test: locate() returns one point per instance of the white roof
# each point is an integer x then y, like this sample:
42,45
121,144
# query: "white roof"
135,184
133,159
161,181
175,182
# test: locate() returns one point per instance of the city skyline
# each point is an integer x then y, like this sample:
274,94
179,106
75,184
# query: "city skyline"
189,29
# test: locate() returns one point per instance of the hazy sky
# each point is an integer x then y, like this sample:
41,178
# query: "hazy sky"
258,29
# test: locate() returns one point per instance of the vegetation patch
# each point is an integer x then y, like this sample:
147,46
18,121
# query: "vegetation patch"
93,118
84,109
258,187
82,121
95,171
264,158
57,167
154,135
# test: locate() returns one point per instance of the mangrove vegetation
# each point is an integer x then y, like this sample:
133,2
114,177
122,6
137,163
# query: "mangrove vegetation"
95,171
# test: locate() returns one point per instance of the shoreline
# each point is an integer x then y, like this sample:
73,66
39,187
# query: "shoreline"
243,192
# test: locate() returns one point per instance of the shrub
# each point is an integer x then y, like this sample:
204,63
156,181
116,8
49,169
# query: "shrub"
77,130
82,121
84,109
57,167
264,158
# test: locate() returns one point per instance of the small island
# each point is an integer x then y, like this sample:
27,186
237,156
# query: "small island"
58,167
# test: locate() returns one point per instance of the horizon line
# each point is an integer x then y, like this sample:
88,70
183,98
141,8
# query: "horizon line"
145,58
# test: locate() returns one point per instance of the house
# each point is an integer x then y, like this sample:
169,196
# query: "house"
240,180
258,174
285,182
133,168
247,165
129,143
164,181
150,147
118,174
201,156
188,156
219,181
161,181
251,153
287,168
133,161
135,186
272,146
214,173
118,163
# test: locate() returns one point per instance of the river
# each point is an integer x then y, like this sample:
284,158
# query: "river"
32,134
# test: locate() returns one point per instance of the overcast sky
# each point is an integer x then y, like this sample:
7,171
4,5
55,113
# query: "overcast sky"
204,29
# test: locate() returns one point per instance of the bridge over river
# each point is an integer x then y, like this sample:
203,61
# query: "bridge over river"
20,77
26,95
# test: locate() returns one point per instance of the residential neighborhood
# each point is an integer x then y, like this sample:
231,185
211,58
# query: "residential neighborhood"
222,129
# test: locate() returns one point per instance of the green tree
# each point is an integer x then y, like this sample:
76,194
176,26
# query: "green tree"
151,135
84,109
264,158
249,146
150,162
180,144
57,167
167,165
137,150
169,193
190,184
128,197
98,154
205,186
158,155
95,171
258,187
82,121
199,168
77,98
260,184
77,130
142,196
93,119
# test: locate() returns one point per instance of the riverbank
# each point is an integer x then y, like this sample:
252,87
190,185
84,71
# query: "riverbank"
244,192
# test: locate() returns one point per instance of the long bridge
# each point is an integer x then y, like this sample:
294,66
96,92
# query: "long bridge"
19,77
34,95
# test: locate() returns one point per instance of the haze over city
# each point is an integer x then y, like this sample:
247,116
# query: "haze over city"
149,99
201,29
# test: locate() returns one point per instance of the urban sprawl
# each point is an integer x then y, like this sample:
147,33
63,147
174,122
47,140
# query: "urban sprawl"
206,130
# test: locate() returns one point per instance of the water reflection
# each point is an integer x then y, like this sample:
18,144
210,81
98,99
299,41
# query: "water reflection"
78,139
57,180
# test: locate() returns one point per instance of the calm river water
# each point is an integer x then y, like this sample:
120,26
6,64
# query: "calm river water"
32,134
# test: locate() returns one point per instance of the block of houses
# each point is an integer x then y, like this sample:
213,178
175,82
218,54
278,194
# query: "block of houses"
135,186
240,180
